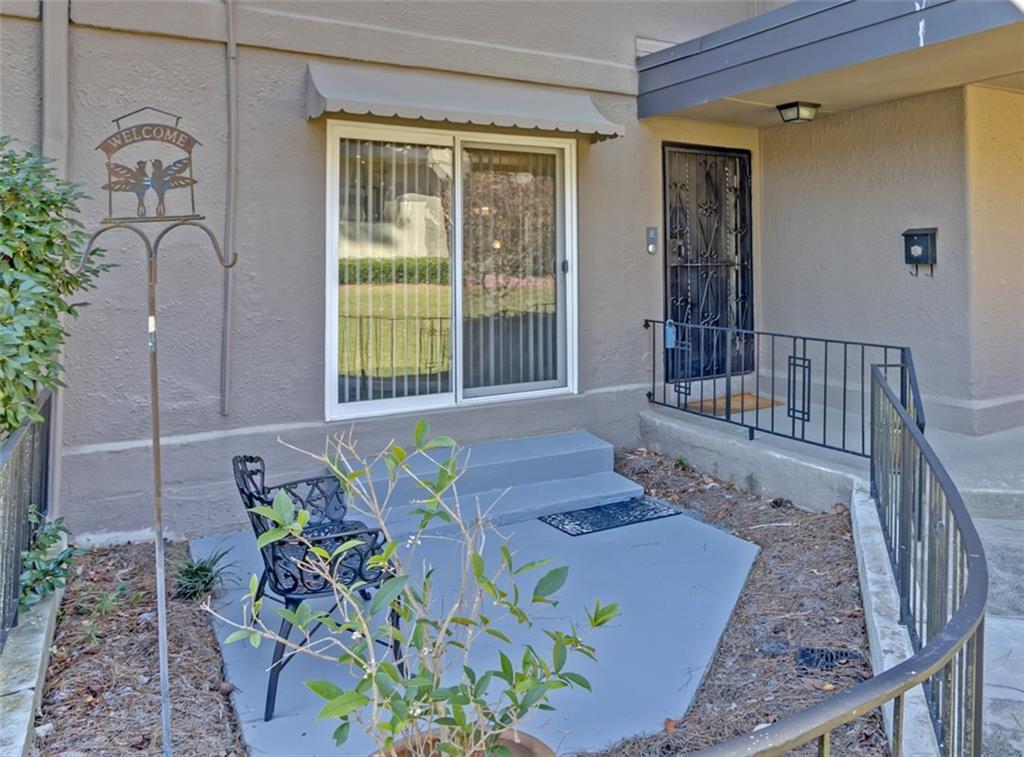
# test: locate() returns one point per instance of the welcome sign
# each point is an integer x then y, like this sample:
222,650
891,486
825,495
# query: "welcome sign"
149,161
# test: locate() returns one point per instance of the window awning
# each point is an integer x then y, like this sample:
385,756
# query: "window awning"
455,98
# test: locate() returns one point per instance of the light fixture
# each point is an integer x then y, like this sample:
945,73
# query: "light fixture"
798,112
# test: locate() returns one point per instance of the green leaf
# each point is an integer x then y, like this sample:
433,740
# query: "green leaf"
558,654
345,546
577,679
478,566
241,633
341,734
324,689
284,507
498,635
550,582
387,593
342,705
533,696
439,441
532,566
269,537
419,433
507,672
506,556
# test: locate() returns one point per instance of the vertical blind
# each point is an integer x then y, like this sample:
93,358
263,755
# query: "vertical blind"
394,274
512,324
396,253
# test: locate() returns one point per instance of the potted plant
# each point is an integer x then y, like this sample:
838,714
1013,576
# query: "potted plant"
428,694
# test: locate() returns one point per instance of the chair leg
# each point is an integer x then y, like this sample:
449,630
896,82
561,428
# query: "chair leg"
396,647
262,588
275,665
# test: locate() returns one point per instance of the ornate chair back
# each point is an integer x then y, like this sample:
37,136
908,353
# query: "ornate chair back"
324,499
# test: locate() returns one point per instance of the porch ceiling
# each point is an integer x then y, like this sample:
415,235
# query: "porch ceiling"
841,53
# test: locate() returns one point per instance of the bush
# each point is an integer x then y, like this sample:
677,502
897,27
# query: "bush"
40,245
43,570
427,270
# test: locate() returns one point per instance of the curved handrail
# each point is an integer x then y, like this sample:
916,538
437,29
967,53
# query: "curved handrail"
819,720
915,390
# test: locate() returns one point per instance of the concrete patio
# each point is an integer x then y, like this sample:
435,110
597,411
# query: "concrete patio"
677,580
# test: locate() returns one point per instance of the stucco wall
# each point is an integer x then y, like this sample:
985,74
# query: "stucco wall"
277,389
838,193
995,198
20,81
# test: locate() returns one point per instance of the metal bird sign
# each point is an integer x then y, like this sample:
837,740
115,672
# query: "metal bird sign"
149,160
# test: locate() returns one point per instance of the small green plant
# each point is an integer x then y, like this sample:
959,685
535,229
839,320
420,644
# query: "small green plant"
42,573
427,695
198,578
107,602
681,463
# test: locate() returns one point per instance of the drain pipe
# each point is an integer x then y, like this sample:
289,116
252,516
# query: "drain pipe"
230,206
55,19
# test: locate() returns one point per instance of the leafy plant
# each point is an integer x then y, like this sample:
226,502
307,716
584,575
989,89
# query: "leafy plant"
42,573
198,578
40,245
106,602
429,695
681,463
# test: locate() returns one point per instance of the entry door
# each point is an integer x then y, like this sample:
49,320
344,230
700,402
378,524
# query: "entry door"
708,261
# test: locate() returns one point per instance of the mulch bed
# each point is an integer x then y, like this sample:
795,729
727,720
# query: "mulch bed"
802,591
102,691
102,694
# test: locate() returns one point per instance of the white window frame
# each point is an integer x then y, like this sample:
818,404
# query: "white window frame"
337,130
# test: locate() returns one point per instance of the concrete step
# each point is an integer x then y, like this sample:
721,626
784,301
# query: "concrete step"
497,465
513,504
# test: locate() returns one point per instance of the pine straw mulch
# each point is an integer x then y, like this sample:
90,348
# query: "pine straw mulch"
802,591
102,694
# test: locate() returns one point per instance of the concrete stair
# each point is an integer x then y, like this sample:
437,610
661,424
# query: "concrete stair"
513,480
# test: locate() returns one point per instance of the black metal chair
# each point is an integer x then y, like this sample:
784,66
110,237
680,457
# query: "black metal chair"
283,574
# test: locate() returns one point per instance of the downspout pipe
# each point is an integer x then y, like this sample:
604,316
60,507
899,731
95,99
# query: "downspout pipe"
55,17
230,208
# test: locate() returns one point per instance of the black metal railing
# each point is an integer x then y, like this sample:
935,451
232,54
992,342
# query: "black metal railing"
811,389
936,554
24,472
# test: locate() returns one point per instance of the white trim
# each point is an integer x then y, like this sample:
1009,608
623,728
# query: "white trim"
336,130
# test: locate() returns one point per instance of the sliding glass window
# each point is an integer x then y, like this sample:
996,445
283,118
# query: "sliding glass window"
449,268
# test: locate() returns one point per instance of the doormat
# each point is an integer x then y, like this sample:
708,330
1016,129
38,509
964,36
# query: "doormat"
589,520
744,402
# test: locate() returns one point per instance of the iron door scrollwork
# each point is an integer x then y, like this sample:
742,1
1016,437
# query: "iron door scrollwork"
708,261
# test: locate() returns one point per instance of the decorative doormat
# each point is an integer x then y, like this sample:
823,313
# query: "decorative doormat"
589,520
744,402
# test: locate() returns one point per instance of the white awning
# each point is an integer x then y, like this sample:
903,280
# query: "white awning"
434,96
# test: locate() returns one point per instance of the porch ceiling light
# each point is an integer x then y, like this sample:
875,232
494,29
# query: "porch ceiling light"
798,112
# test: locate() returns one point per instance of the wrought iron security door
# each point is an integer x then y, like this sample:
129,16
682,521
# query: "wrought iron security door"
708,262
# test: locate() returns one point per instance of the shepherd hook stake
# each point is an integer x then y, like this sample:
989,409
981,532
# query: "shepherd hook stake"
152,249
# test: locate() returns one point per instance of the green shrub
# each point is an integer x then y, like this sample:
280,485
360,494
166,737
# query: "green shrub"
427,270
40,245
198,578
43,571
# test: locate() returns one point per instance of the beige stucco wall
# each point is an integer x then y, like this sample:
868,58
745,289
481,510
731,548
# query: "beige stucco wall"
838,193
20,80
995,206
278,336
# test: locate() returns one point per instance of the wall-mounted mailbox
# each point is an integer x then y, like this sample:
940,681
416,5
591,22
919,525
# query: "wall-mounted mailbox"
919,248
